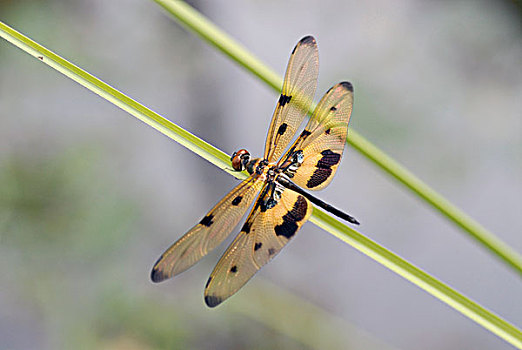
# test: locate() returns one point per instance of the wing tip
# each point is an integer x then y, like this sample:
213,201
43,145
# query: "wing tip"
212,300
157,275
347,85
307,40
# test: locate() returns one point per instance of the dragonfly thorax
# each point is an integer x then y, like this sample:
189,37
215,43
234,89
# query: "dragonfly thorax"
293,162
273,195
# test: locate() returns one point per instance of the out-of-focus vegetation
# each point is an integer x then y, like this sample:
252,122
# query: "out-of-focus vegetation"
89,198
62,229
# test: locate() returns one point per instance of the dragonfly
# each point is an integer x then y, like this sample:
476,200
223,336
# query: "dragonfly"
276,183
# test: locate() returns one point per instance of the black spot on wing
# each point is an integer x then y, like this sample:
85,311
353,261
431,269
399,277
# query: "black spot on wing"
323,168
271,251
237,200
289,226
318,177
233,269
207,220
329,159
258,245
212,300
307,40
327,131
246,227
286,229
333,108
299,210
282,128
347,85
208,282
157,275
305,133
283,99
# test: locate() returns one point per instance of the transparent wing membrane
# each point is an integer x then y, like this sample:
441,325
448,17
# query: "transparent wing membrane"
323,139
208,233
295,99
262,237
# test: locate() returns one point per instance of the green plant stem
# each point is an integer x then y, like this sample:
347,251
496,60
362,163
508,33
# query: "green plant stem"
416,276
194,21
153,119
288,313
459,302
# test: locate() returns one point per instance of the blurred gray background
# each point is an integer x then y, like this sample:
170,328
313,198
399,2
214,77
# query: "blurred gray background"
90,196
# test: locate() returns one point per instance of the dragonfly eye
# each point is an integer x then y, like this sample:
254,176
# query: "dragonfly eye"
240,159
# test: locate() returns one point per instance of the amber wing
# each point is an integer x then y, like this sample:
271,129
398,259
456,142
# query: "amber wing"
263,235
296,97
323,139
209,232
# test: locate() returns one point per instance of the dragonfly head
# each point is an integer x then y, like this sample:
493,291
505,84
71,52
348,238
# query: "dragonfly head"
240,159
